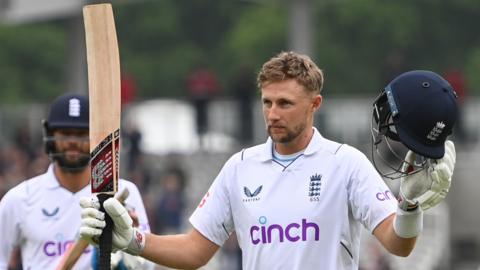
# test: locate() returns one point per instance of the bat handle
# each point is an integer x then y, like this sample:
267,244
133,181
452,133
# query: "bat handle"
105,245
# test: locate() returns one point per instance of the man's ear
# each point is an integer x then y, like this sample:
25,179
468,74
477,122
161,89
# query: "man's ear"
317,102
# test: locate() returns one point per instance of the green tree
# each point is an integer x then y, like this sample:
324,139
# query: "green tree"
161,41
32,59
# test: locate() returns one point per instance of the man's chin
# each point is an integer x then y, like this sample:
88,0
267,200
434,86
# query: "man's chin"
71,159
278,138
75,165
276,132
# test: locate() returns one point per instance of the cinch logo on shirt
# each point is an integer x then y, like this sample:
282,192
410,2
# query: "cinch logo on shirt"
57,248
292,232
385,195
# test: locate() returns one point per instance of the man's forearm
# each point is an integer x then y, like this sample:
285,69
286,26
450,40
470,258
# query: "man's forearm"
395,244
182,251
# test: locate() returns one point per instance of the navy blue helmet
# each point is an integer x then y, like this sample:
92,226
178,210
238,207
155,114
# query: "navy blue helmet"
68,111
418,110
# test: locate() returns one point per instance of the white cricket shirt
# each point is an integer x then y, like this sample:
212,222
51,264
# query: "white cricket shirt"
43,218
307,215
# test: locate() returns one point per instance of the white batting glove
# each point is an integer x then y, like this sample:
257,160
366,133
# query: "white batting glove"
125,237
430,186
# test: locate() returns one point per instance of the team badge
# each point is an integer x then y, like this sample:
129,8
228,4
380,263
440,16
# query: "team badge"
436,131
314,187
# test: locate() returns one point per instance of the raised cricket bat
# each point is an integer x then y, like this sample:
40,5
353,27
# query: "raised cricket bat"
103,63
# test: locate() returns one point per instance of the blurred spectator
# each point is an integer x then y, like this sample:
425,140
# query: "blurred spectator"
202,85
24,143
244,91
132,138
456,79
171,203
128,89
19,160
376,259
231,254
135,161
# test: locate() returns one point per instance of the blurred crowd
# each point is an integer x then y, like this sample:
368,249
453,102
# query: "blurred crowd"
20,159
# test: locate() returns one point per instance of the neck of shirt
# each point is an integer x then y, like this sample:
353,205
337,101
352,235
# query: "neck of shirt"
285,160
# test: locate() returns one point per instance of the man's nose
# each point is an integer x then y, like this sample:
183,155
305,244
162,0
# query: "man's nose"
74,139
272,113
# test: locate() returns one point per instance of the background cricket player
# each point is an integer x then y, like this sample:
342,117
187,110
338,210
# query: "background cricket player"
299,200
42,214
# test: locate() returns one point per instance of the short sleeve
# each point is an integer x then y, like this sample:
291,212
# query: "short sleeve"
371,200
10,217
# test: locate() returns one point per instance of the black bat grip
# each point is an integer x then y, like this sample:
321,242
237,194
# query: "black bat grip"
105,245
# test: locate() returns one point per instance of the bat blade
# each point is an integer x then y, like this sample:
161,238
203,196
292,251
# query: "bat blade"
104,94
103,63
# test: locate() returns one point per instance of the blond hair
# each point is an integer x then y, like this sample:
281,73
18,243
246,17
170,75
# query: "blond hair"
292,65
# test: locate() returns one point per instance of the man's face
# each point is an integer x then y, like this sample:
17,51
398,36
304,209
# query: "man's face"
72,147
288,110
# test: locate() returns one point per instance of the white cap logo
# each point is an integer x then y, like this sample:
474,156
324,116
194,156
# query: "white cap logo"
436,131
74,107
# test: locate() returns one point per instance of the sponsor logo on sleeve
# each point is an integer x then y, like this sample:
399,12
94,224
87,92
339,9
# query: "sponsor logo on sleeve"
384,195
204,200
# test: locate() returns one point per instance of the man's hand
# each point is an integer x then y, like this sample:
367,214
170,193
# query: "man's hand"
125,237
430,186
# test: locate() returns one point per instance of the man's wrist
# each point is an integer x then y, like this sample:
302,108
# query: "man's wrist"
408,224
407,205
137,244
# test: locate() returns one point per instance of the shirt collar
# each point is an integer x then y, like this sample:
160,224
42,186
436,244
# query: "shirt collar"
50,178
315,143
313,146
267,150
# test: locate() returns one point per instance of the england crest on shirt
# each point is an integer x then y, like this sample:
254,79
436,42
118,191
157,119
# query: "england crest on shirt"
314,187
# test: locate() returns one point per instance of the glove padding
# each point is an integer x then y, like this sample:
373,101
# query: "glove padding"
429,186
124,237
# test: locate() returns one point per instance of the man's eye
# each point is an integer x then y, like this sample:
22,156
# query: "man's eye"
73,137
285,103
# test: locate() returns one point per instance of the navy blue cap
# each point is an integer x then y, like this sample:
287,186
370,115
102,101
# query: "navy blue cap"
69,111
424,111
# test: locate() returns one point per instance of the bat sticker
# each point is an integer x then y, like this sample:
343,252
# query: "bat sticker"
103,159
